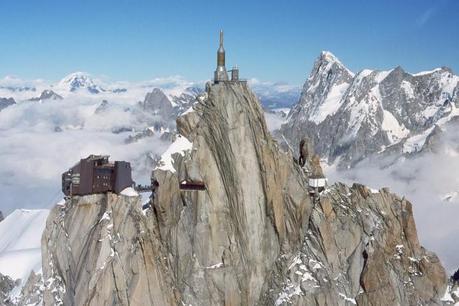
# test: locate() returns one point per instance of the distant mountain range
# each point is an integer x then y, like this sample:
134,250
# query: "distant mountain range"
352,116
177,90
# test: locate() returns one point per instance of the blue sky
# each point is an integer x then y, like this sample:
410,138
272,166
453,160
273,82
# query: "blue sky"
270,40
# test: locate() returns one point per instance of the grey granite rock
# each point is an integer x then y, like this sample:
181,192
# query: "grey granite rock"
47,95
5,102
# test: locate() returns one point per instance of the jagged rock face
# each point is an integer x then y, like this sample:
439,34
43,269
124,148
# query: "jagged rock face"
102,108
186,99
5,102
351,117
166,108
101,250
6,286
224,241
32,292
47,95
361,248
328,78
254,236
158,103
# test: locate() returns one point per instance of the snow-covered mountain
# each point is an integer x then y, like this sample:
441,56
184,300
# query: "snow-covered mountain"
81,81
46,94
351,116
20,245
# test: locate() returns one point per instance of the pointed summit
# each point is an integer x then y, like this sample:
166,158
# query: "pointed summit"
327,82
47,94
328,58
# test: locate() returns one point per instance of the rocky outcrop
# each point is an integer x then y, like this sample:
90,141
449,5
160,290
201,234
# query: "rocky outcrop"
103,107
157,103
32,291
161,109
5,102
224,241
47,95
361,248
6,286
253,236
1,216
101,250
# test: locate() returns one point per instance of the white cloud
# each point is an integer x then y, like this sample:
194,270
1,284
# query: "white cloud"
33,155
424,181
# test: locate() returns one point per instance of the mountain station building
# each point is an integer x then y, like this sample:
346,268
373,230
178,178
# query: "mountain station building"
95,174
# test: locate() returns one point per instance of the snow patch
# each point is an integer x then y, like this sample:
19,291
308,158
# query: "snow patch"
61,202
331,103
364,111
105,216
180,146
407,87
129,192
348,299
372,190
381,75
216,266
330,57
429,111
427,72
415,143
20,243
363,74
394,130
189,110
447,296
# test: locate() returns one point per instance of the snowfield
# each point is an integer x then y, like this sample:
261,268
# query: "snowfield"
180,146
20,243
331,104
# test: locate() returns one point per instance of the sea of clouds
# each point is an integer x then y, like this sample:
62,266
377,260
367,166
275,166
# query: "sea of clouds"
40,140
430,181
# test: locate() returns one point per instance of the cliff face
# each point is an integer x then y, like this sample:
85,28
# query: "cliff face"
101,250
254,236
361,248
224,241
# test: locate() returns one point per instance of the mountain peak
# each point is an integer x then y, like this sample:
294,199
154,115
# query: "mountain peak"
76,75
328,56
47,94
78,80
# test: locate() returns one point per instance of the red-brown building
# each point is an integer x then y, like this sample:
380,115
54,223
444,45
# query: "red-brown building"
95,174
